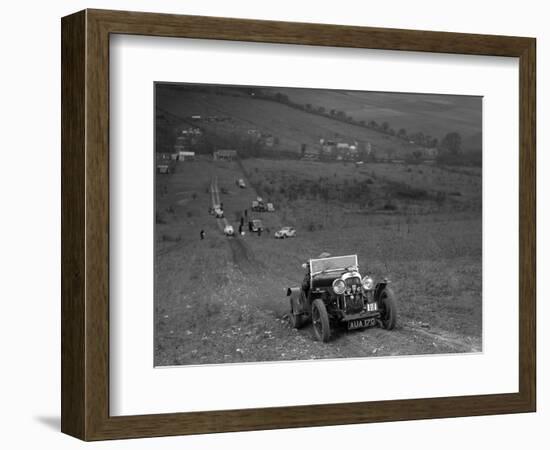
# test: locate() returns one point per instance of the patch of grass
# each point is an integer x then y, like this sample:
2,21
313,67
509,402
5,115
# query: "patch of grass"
159,219
171,238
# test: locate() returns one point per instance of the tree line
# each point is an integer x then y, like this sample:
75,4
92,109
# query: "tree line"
451,142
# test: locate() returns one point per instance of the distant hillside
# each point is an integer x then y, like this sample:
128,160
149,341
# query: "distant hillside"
431,114
242,112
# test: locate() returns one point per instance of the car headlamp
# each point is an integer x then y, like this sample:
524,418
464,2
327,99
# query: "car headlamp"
338,286
367,283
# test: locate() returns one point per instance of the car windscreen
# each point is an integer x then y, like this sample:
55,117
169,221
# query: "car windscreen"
337,262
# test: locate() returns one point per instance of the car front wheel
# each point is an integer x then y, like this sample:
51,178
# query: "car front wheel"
319,318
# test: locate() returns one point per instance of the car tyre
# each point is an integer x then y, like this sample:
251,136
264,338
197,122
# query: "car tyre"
388,309
320,321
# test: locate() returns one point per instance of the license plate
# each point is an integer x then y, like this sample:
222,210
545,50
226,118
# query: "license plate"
372,307
361,323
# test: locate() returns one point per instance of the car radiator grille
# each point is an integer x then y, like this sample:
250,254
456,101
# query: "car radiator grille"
354,303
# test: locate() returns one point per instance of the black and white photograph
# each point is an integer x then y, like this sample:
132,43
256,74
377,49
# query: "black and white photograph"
298,224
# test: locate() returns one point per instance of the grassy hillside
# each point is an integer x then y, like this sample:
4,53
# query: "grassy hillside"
223,299
290,126
429,113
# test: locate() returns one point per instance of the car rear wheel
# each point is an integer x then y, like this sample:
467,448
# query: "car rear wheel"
319,318
296,320
388,309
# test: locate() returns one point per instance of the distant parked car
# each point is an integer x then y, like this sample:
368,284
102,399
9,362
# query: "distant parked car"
241,183
218,212
255,225
259,206
229,231
285,232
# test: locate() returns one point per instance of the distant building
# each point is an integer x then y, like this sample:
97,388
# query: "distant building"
163,156
328,148
342,146
339,150
430,153
269,141
225,155
186,156
191,131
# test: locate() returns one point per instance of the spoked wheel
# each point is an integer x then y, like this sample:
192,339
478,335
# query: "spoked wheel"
388,309
319,318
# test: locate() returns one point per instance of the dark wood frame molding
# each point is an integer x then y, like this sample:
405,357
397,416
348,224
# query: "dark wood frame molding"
85,224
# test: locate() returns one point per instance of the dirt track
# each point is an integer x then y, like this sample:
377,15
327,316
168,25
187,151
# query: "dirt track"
242,254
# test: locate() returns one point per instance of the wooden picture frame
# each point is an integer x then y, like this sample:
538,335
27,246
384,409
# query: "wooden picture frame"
85,224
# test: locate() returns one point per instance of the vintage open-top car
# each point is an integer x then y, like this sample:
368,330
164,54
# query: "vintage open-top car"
333,291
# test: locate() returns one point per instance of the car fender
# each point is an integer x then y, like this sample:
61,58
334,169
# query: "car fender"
379,288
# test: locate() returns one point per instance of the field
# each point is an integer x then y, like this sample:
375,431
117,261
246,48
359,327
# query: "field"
428,113
291,127
222,299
